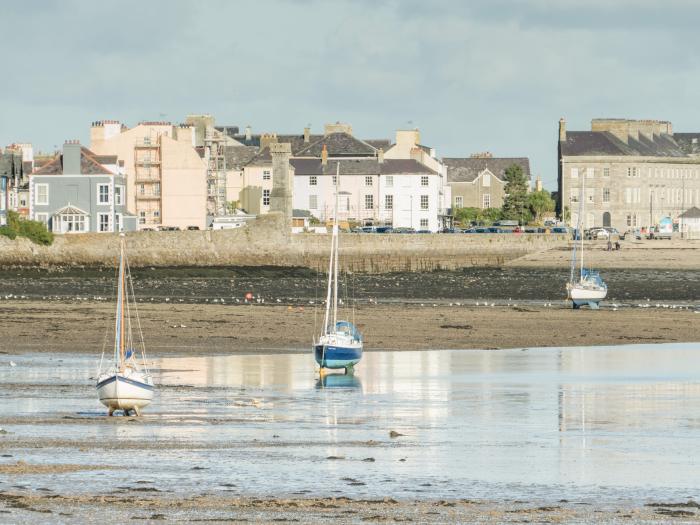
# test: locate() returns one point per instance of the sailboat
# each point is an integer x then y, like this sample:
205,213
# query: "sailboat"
585,286
125,384
340,343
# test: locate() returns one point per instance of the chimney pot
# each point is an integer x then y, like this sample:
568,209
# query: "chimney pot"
380,156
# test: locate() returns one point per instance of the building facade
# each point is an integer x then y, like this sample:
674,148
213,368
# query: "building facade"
626,173
166,178
479,181
371,191
75,193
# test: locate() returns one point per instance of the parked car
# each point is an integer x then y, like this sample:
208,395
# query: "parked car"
560,229
632,234
169,229
193,227
596,234
403,229
383,229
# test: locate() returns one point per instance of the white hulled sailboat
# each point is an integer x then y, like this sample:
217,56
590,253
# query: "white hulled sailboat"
125,384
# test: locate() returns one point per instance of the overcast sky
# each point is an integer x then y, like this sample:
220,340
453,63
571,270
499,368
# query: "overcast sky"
489,75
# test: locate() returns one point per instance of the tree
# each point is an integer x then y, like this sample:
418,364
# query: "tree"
515,206
540,202
467,216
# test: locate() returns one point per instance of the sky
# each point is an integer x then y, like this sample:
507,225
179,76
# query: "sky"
472,76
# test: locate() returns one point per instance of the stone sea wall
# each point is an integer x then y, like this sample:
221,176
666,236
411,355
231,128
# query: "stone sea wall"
263,243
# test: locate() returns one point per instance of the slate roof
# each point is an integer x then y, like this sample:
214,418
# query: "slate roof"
360,167
691,213
688,142
468,169
338,145
384,144
604,143
88,165
239,156
11,164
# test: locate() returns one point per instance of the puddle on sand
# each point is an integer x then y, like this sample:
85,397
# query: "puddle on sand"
596,424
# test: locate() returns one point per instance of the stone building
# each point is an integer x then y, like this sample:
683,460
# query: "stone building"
479,181
634,172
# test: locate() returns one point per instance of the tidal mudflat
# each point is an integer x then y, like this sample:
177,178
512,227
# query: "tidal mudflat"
603,434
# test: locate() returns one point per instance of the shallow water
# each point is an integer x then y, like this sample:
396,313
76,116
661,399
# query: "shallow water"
596,425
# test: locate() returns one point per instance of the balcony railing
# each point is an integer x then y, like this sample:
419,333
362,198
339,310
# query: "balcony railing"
146,143
148,196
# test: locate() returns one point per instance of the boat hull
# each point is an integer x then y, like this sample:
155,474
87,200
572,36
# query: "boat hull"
337,356
117,392
580,296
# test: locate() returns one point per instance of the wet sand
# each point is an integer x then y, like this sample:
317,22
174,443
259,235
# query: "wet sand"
84,326
130,504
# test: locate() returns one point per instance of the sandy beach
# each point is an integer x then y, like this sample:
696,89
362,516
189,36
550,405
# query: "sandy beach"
81,327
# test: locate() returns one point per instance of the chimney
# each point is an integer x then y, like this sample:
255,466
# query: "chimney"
307,134
562,130
266,139
380,156
71,157
324,156
248,133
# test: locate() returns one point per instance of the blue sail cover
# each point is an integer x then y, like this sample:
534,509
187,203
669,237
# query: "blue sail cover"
594,277
348,328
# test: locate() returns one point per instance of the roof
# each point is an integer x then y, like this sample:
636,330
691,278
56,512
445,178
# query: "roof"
238,156
468,169
70,210
301,213
384,144
688,142
370,166
604,143
338,145
89,165
691,213
11,163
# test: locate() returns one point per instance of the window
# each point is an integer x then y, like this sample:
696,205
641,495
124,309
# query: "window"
156,189
632,172
156,214
388,202
573,195
424,202
313,202
118,222
335,180
266,175
606,194
42,194
368,180
389,181
486,200
103,194
313,181
142,217
606,172
590,194
69,223
574,173
369,202
628,195
42,217
142,189
589,173
459,201
118,195
266,197
103,222
632,219
424,224
424,181
486,180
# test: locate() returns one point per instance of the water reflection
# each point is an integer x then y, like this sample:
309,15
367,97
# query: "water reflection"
559,422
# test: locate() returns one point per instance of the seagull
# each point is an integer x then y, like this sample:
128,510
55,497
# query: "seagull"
13,364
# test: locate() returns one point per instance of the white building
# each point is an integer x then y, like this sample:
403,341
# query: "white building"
372,191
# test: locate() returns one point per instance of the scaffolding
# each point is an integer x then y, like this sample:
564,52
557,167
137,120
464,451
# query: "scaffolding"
148,178
214,154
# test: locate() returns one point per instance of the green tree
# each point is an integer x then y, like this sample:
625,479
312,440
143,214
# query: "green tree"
515,205
540,202
466,216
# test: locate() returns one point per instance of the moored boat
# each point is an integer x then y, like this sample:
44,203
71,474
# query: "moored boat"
125,384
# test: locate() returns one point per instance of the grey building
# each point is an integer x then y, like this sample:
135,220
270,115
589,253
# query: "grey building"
479,181
76,193
11,176
627,173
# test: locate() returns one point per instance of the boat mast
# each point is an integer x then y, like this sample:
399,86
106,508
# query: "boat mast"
335,241
581,219
121,302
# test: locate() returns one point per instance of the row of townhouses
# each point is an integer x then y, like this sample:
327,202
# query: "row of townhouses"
157,174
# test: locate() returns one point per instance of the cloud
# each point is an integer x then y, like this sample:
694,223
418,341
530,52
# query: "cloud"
480,75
